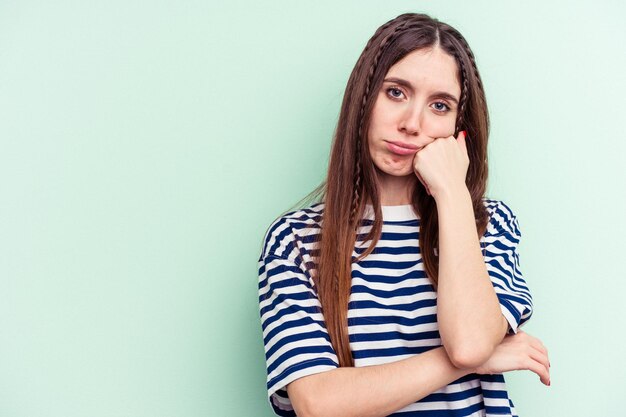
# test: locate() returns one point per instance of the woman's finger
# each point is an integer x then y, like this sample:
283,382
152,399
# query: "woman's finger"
536,357
542,359
536,343
539,369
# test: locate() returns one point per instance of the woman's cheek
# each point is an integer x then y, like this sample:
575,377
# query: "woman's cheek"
439,128
439,133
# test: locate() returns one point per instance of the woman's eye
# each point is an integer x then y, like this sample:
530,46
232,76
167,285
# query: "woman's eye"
443,108
394,92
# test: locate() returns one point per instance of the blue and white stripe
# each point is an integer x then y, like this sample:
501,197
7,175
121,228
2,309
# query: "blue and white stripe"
392,311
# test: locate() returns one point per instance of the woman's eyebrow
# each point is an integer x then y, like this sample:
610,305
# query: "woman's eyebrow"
406,84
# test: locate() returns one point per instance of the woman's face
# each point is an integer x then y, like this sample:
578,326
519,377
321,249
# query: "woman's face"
416,104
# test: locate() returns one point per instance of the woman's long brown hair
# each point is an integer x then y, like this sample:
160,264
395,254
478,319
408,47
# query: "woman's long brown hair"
351,179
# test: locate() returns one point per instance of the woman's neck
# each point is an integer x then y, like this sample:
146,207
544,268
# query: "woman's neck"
395,191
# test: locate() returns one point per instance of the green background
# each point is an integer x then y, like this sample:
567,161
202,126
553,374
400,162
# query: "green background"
146,146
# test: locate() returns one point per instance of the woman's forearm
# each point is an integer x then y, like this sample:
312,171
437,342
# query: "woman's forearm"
470,320
377,390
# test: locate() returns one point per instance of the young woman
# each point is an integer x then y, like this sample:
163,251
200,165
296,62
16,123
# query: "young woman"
398,292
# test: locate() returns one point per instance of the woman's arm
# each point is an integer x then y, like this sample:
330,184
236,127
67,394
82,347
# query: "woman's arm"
380,390
471,323
373,391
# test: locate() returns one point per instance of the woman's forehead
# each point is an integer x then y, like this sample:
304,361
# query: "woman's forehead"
428,69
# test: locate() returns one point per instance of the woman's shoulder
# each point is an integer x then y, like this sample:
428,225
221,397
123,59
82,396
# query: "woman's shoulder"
290,228
309,215
502,218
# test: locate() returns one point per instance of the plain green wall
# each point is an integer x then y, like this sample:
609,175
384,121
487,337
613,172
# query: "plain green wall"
146,146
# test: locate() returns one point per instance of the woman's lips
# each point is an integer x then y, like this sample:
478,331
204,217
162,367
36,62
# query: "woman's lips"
402,149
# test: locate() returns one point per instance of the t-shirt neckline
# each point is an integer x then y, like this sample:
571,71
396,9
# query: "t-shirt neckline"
392,213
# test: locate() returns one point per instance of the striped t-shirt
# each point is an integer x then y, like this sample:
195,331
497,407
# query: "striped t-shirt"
392,312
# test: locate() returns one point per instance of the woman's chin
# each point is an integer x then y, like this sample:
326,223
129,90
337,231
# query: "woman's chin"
396,171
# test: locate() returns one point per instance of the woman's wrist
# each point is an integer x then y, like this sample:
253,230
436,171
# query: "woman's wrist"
451,194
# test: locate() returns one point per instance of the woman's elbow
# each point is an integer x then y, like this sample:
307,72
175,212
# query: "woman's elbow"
313,409
306,399
469,356
302,405
316,407
302,410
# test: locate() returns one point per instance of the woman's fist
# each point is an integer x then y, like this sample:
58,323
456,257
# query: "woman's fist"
442,164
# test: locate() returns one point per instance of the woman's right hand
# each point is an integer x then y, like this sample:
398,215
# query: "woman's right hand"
520,351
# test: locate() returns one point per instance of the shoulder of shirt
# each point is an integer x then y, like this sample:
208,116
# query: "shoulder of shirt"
502,218
283,233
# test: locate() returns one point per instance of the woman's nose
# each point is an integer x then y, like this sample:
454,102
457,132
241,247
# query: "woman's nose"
411,120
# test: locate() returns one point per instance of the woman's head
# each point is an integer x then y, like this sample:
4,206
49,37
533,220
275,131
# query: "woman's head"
427,52
417,103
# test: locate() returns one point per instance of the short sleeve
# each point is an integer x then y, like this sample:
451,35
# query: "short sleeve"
294,334
500,250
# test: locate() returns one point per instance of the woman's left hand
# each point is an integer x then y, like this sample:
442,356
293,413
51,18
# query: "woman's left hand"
442,164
